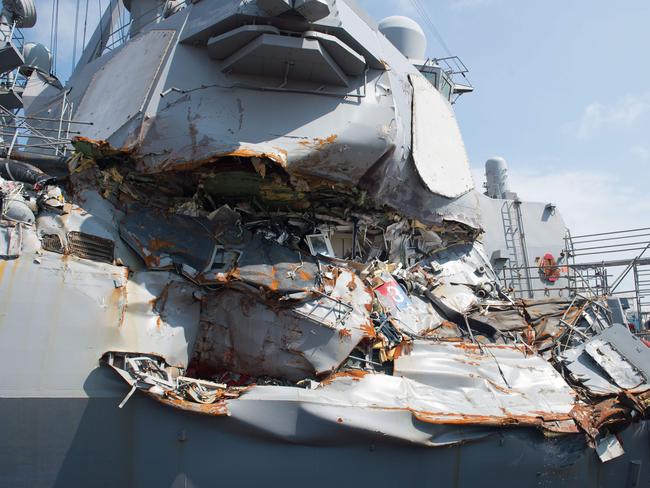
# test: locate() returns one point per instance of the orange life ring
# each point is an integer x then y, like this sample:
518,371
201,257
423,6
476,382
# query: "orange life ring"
548,268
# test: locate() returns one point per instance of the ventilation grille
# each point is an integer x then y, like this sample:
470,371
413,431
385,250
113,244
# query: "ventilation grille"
52,242
91,247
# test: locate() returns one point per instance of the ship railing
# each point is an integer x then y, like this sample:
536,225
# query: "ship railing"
10,32
119,36
452,65
47,135
623,258
582,281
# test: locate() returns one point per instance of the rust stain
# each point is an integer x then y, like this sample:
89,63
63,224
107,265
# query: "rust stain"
218,409
319,143
305,276
470,346
448,325
345,333
508,420
3,266
119,299
249,153
355,374
352,285
158,244
158,303
369,330
496,386
322,142
275,284
152,261
402,349
279,158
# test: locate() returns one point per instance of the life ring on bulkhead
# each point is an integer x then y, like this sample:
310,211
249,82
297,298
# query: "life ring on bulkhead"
548,268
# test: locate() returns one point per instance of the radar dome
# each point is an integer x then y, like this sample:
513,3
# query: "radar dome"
406,35
37,57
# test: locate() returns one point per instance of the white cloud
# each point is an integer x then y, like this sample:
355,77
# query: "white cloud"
642,153
623,113
589,201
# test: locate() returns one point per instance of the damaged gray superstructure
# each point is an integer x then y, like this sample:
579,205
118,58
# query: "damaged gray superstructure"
271,228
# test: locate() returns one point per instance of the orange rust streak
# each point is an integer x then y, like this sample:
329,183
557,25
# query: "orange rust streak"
355,374
249,153
3,265
119,300
470,346
280,158
305,276
369,330
158,244
321,142
219,409
402,349
343,333
458,419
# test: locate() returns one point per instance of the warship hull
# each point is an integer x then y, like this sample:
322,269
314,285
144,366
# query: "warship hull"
67,442
253,254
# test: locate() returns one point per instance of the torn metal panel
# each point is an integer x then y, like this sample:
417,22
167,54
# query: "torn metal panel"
277,268
157,379
584,371
611,361
508,320
421,318
244,333
618,368
396,407
488,380
609,448
460,298
162,240
628,346
542,310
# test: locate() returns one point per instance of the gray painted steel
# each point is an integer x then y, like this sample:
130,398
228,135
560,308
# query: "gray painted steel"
317,93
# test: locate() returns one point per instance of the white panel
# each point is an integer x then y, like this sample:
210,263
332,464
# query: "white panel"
438,149
122,86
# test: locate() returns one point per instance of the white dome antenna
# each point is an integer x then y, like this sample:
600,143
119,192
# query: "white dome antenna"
407,36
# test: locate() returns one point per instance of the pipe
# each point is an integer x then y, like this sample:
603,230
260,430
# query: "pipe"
54,166
23,172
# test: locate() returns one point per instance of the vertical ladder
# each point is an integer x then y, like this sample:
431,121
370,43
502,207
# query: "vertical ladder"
642,291
515,238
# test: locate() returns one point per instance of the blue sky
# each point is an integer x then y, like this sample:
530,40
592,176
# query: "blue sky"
562,92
